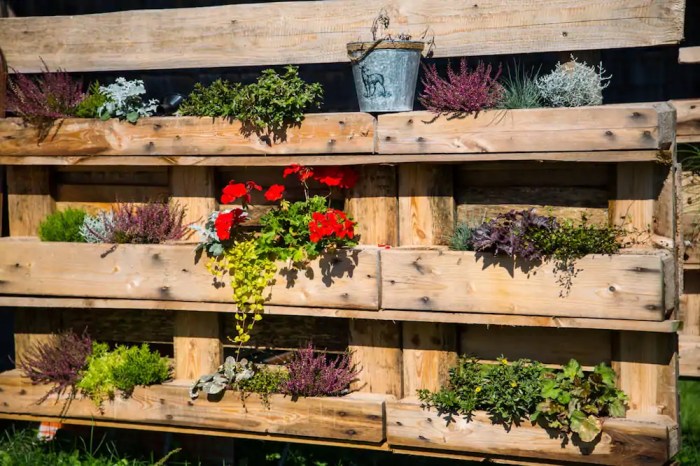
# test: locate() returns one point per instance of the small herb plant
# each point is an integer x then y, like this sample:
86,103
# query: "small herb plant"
123,369
94,99
573,84
124,101
269,105
509,392
565,399
294,231
317,374
463,92
42,100
574,401
63,226
58,362
153,222
520,89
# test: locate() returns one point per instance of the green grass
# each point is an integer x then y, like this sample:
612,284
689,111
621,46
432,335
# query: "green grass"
690,422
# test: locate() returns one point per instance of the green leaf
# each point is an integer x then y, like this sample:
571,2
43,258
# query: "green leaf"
587,428
617,408
572,369
132,117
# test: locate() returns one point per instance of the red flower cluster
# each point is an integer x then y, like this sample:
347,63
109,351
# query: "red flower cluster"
274,192
342,177
234,191
333,222
226,221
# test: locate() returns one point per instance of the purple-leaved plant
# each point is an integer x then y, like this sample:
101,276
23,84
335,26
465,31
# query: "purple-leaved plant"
312,374
153,222
46,98
511,234
57,362
463,92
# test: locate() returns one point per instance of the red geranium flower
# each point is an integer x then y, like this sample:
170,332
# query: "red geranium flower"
251,185
234,191
333,222
274,192
343,177
302,172
226,221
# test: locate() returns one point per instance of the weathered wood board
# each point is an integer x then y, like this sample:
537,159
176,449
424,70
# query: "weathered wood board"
688,123
171,272
689,55
317,32
321,133
689,355
351,418
634,126
624,286
622,442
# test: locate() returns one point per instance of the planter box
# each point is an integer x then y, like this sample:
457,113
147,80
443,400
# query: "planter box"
328,133
612,127
650,440
620,286
354,418
172,273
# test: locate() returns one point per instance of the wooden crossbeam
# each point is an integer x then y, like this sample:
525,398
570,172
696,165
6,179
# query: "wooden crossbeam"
689,55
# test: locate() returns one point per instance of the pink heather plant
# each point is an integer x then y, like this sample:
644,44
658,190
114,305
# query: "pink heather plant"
312,374
462,92
41,100
57,362
149,223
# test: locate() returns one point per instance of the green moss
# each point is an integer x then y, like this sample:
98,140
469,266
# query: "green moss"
63,226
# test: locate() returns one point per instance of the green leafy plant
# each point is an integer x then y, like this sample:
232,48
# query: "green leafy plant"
508,392
269,105
520,89
124,101
123,369
575,401
91,103
219,99
63,226
461,238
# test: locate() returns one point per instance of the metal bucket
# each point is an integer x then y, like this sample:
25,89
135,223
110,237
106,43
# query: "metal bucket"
385,74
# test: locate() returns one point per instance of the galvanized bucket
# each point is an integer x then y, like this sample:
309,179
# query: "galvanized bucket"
385,74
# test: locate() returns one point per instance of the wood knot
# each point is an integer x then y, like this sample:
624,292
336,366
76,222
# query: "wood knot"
420,139
608,133
564,33
351,432
425,299
331,142
387,138
612,289
342,413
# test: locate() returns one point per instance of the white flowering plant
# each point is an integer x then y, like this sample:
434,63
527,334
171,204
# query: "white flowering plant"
125,101
573,84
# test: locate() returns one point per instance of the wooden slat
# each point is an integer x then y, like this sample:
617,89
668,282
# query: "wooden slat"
689,356
357,419
170,272
689,55
626,127
340,159
327,133
551,346
197,344
312,32
623,441
612,287
98,304
633,205
688,124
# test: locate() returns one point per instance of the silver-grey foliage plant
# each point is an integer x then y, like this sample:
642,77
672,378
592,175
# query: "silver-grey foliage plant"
94,227
573,84
124,101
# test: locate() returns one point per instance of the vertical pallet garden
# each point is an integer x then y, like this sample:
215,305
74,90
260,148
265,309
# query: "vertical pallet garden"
406,311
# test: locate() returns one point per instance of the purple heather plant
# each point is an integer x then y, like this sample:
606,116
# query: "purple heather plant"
511,234
46,98
463,92
312,374
153,222
57,362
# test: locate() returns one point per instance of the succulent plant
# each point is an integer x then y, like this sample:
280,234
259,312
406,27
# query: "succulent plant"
229,373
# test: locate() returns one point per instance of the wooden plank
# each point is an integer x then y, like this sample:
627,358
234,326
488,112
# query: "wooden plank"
272,160
623,441
29,199
551,346
171,272
647,369
688,123
324,133
689,55
356,419
689,356
633,205
376,345
98,304
634,126
690,303
197,344
311,32
609,287
429,350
